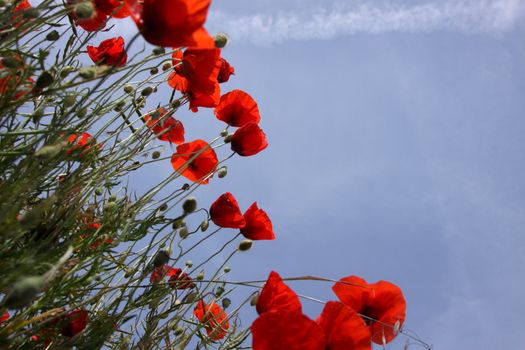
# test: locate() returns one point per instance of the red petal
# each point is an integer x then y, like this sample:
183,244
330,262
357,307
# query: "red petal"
276,295
258,224
237,108
225,212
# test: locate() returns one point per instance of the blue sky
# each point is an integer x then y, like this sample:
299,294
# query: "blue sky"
396,152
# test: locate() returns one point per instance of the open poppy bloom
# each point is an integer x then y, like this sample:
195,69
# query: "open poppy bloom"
248,140
74,322
195,74
91,229
95,22
237,108
225,212
177,278
213,318
110,52
258,224
282,325
172,23
225,71
276,295
195,160
165,126
81,144
381,305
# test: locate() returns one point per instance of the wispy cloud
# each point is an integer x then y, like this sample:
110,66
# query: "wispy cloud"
342,19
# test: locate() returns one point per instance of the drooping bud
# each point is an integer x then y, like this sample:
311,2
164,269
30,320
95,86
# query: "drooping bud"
146,91
69,100
221,40
155,155
128,89
219,291
177,223
200,276
227,269
49,151
184,233
224,133
166,66
161,258
204,225
52,36
163,207
159,51
153,70
245,245
65,71
98,191
178,331
87,73
189,263
254,299
189,205
228,138
23,292
44,80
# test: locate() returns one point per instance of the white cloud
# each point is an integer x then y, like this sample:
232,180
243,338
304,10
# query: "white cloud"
340,19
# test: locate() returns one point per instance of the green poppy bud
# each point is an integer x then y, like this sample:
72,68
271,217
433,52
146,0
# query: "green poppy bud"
245,245
189,205
189,263
87,73
81,113
184,233
31,12
161,258
163,207
155,155
159,51
219,291
146,91
44,80
177,223
204,225
99,191
153,70
222,172
254,299
200,276
65,71
84,10
23,292
49,151
178,331
128,89
227,269
52,35
69,100
226,302
228,138
224,133
221,40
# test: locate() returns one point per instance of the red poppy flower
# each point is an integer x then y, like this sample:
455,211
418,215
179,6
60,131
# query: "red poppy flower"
173,23
165,126
195,160
110,52
74,322
195,74
81,144
91,229
344,328
381,305
158,273
5,316
17,18
237,108
286,330
95,22
214,319
179,279
114,8
258,225
225,71
248,140
276,295
225,212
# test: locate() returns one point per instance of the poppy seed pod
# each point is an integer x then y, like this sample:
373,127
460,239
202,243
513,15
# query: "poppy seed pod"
161,258
189,205
245,245
220,40
44,80
23,292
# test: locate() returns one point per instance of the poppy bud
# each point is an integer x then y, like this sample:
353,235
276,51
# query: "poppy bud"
49,151
112,198
119,106
191,297
87,73
189,263
155,155
245,245
221,40
44,80
228,138
178,331
65,71
200,276
69,100
84,10
183,233
166,66
146,91
163,207
23,292
98,191
179,222
254,299
222,172
161,258
128,89
159,51
53,36
185,187
175,104
226,302
227,269
81,113
224,133
219,291
153,71
189,205
204,225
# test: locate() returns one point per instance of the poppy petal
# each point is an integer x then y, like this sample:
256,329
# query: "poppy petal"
276,295
225,212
